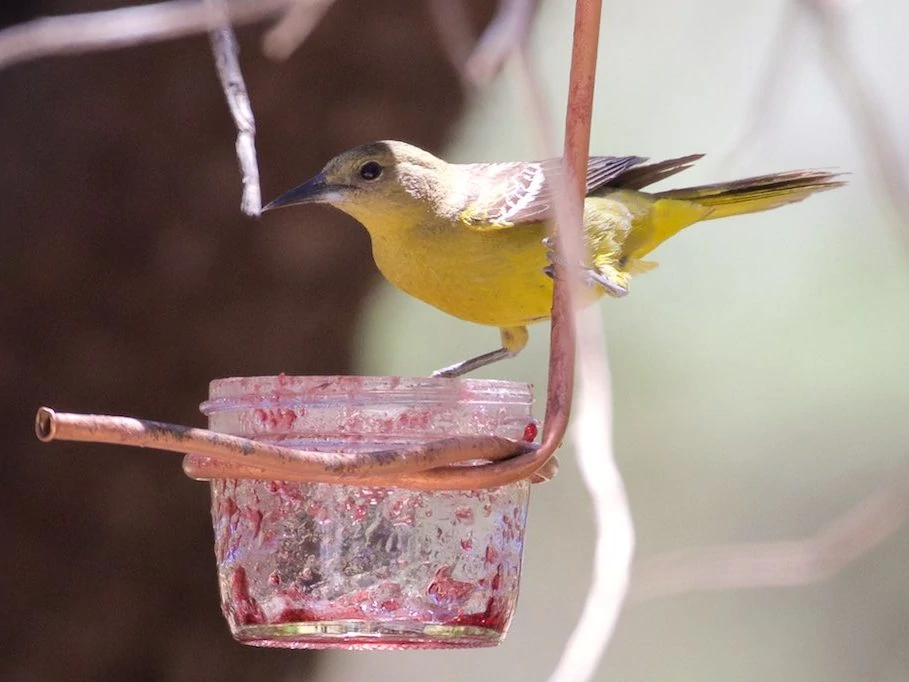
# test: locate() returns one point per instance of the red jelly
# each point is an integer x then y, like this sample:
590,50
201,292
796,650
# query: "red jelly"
306,565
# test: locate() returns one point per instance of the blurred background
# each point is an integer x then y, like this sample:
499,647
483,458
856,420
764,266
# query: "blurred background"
760,376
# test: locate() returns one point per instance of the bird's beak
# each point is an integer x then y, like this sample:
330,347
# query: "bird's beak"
313,191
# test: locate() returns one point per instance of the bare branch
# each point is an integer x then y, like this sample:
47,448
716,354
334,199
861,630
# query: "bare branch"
227,61
765,95
294,28
508,31
543,123
124,27
869,523
592,428
455,32
855,93
859,102
777,564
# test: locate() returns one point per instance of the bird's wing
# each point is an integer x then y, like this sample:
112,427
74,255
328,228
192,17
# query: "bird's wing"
641,176
505,194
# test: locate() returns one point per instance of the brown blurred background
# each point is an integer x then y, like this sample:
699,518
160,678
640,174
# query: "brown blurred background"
760,374
129,279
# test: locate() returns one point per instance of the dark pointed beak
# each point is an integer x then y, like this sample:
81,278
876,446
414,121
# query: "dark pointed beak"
313,191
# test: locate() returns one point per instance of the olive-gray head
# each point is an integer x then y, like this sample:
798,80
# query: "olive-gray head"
374,182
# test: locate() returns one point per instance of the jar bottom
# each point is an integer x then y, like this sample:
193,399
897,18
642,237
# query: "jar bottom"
365,635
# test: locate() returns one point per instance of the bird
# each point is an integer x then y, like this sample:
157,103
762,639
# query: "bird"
471,239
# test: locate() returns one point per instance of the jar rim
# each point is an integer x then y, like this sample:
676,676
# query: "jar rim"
232,392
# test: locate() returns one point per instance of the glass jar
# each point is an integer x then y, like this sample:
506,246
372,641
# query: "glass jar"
317,565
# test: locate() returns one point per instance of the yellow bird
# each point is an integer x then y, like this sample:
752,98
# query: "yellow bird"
470,239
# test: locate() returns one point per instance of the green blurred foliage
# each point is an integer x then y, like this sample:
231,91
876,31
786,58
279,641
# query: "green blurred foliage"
761,377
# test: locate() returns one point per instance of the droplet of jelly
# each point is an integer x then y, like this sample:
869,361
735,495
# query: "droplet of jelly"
530,432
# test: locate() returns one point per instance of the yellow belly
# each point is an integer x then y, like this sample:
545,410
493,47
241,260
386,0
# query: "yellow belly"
494,278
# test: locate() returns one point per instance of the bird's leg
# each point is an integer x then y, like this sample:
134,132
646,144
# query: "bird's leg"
469,365
513,341
592,276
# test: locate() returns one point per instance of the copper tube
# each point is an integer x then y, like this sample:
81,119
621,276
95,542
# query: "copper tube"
577,146
205,468
417,467
581,82
560,390
275,460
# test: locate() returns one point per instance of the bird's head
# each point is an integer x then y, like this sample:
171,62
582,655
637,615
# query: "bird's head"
377,183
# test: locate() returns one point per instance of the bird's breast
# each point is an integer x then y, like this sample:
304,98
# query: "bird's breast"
492,277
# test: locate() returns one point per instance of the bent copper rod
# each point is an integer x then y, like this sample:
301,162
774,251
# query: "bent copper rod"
447,478
217,455
276,461
417,466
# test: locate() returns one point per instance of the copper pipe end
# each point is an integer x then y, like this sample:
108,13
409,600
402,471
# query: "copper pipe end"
46,424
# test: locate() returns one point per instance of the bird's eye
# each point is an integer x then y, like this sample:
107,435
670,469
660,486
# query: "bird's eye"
370,170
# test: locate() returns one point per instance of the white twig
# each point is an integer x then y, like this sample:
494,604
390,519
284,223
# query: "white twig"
770,82
541,118
455,33
855,92
226,53
777,564
508,31
294,28
859,102
124,27
591,432
592,436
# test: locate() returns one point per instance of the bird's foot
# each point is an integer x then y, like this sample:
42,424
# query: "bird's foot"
513,341
471,364
590,276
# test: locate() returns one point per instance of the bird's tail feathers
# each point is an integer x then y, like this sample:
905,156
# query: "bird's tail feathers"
638,177
759,193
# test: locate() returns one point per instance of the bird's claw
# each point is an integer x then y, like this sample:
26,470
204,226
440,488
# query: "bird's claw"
612,288
471,364
591,276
